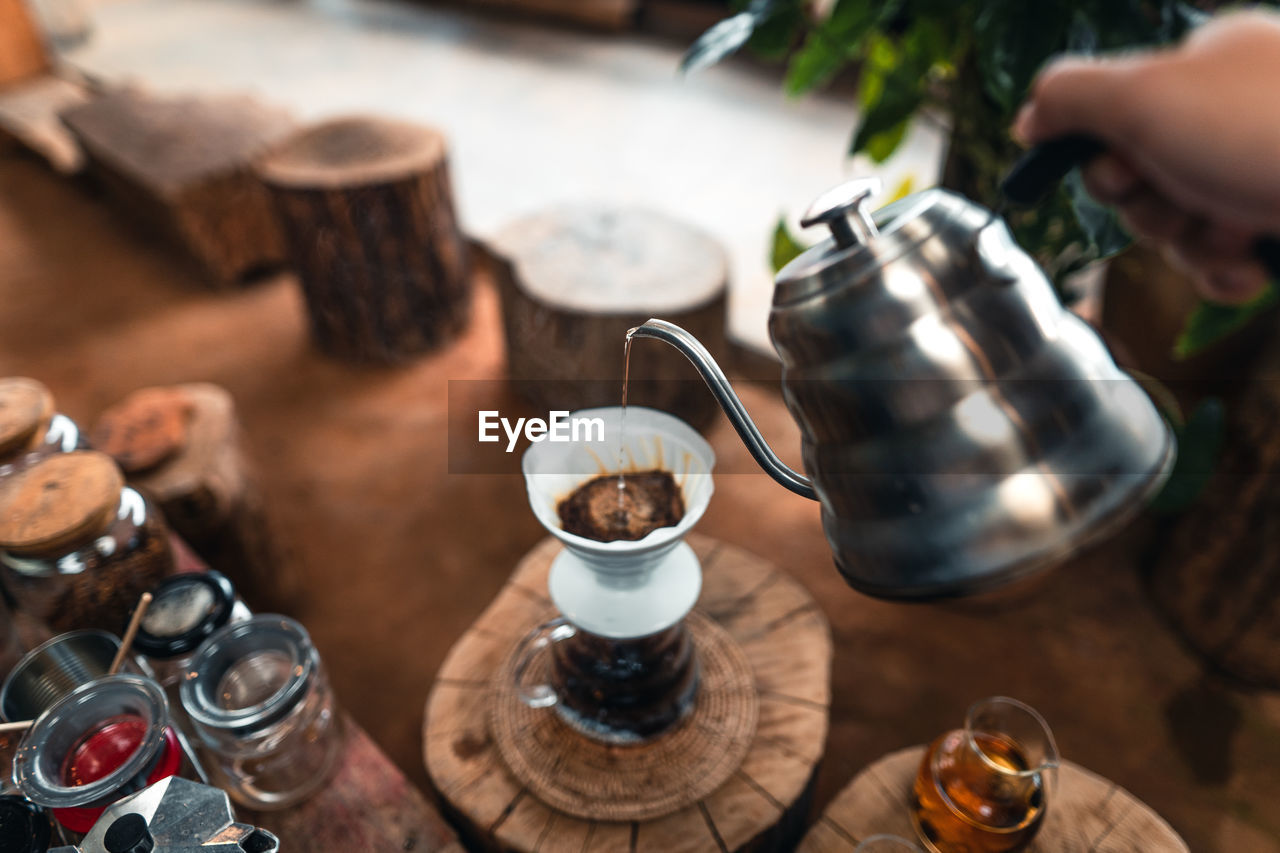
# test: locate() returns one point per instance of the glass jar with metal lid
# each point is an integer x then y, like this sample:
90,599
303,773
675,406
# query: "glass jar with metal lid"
30,427
185,611
77,546
259,701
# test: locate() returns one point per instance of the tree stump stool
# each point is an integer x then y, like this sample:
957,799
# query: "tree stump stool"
1086,814
367,210
181,446
762,805
183,166
574,279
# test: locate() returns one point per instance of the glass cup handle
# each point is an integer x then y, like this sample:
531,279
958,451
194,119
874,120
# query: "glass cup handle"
535,643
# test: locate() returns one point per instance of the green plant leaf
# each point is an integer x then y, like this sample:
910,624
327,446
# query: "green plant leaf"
1199,446
1100,223
834,42
880,146
1013,39
776,34
894,80
726,37
1210,322
814,64
785,247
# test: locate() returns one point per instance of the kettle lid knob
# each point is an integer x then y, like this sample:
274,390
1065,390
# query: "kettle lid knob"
129,834
841,209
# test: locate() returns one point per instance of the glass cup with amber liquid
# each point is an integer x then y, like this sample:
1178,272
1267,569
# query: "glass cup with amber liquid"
985,788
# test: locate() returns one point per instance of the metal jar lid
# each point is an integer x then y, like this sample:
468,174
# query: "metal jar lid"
185,610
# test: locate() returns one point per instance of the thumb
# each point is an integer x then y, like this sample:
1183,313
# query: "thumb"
1077,95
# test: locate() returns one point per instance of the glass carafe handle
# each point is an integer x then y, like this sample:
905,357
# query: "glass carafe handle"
534,644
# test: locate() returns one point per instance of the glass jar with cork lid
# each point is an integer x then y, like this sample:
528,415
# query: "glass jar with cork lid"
77,546
30,426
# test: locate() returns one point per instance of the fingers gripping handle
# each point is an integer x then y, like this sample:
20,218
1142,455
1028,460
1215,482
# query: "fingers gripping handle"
1041,168
534,644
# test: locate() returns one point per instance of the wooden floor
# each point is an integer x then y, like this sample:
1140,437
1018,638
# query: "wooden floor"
400,555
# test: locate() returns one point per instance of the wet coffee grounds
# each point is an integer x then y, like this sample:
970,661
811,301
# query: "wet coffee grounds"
600,510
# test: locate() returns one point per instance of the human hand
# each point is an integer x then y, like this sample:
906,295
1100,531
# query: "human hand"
1193,136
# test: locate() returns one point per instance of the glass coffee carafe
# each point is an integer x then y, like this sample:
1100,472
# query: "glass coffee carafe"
985,788
618,664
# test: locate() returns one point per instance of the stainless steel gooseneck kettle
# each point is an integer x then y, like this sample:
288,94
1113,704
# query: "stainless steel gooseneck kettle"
960,427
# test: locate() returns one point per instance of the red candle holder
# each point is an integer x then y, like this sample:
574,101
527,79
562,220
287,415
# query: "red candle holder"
101,742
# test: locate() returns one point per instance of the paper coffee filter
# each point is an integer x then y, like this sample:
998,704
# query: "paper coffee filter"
653,439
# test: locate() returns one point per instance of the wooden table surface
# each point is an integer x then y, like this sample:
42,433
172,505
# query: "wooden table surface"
399,555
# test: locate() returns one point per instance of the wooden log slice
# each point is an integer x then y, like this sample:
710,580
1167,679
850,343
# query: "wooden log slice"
367,209
572,280
763,804
593,780
183,165
1216,572
181,446
1086,813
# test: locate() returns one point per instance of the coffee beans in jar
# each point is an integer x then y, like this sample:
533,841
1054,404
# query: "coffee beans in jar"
77,546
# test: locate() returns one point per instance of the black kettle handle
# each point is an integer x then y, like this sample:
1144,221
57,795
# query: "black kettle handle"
1040,169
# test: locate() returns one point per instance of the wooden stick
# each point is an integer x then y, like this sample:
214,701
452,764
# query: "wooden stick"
20,726
132,631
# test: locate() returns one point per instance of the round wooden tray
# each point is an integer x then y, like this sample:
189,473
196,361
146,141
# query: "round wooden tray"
1088,814
761,806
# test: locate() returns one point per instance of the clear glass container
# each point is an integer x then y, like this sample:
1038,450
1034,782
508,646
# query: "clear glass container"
260,703
101,742
90,573
986,788
185,611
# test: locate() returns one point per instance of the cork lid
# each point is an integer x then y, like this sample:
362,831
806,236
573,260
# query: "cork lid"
144,429
25,407
59,501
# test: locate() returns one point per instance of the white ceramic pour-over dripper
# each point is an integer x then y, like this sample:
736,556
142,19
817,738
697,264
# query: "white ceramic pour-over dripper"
623,589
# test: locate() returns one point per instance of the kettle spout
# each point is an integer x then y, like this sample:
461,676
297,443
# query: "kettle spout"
723,392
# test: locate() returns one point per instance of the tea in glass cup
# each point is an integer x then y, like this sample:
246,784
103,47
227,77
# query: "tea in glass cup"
985,788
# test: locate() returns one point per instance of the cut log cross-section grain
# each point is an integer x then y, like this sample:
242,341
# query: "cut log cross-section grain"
367,209
764,802
574,279
1086,813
